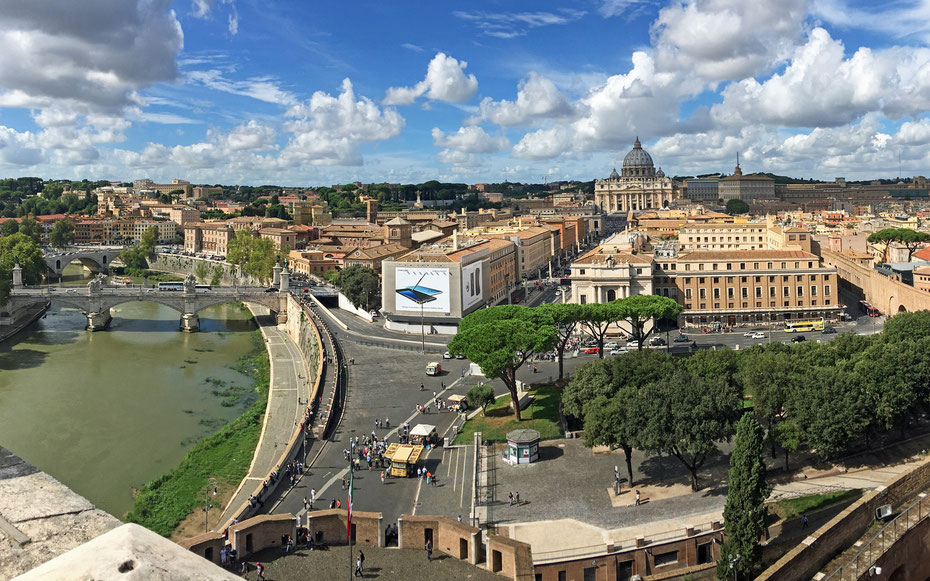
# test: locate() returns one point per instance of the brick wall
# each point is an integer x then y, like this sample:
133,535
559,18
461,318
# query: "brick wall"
909,558
510,558
261,532
844,529
332,524
451,537
207,545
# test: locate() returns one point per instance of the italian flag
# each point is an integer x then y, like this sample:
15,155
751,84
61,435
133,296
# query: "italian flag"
349,512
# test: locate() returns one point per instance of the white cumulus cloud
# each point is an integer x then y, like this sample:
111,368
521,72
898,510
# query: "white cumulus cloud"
537,98
445,81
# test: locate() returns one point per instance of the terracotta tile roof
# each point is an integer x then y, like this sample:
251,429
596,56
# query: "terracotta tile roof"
597,257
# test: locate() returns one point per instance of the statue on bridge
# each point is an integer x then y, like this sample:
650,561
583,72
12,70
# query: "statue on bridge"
96,283
190,284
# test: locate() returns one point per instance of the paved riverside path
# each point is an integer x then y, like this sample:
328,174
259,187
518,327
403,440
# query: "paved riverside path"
286,393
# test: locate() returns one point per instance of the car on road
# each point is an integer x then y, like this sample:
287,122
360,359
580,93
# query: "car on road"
591,351
619,351
271,289
657,342
149,290
757,335
447,355
798,339
829,331
681,339
749,333
611,345
632,343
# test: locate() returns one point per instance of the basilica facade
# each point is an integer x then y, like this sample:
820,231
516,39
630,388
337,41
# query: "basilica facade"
638,186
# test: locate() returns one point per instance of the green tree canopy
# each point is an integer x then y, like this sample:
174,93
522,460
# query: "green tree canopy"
910,239
745,511
686,417
637,310
22,248
501,339
737,206
30,227
566,318
360,285
201,271
480,396
596,319
8,227
62,234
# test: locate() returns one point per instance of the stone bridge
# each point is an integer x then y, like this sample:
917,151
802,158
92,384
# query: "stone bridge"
96,299
96,259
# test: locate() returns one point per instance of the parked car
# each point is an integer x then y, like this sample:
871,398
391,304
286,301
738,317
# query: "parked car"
798,339
591,351
829,331
447,355
619,351
271,289
681,339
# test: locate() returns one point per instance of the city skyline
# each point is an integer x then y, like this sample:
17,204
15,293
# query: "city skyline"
232,91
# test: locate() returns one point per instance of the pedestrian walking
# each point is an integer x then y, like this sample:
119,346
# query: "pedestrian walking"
358,567
306,504
429,550
382,477
261,570
637,498
803,521
361,557
509,499
517,498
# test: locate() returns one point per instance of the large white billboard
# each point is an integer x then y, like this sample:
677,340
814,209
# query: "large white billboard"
427,287
472,285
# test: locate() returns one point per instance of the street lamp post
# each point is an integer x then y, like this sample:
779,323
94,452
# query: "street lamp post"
207,504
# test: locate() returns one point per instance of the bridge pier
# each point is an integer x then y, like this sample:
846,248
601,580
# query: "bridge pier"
98,321
190,322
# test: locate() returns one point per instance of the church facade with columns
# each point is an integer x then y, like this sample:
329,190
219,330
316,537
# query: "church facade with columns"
638,186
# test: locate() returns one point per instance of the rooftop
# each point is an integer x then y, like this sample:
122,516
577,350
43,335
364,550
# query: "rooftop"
746,254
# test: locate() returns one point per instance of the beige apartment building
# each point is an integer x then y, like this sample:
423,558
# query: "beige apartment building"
284,240
718,236
748,286
536,245
208,237
747,188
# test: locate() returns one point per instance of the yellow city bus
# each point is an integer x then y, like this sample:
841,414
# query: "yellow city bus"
804,326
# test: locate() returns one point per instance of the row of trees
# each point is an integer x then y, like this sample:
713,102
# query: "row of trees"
360,285
137,257
28,226
22,248
832,398
502,339
256,256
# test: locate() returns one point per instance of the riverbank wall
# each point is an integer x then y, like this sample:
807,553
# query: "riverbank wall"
15,322
180,264
306,336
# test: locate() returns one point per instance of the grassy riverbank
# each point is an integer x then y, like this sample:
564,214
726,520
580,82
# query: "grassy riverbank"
164,502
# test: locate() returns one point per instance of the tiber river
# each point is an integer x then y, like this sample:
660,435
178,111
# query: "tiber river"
106,412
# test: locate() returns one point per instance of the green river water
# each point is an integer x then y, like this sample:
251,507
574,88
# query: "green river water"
106,412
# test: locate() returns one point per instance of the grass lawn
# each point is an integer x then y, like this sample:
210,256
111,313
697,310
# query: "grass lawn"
793,507
541,415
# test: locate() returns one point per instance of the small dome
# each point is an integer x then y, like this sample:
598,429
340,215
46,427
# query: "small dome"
660,173
614,175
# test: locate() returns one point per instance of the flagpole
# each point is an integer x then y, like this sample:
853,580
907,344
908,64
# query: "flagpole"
349,517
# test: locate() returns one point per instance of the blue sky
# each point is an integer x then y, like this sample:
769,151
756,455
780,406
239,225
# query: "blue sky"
301,93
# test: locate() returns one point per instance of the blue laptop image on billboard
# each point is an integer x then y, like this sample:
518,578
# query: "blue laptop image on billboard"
419,294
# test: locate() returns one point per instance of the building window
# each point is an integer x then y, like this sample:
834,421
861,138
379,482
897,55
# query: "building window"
758,305
716,293
562,576
730,293
755,265
687,280
813,291
771,292
758,292
742,266
785,291
668,558
687,294
702,294
813,277
716,279
745,293
581,271
826,291
742,279
584,299
716,305
800,291
787,303
729,266
590,574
